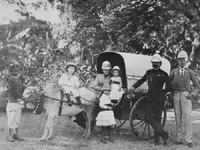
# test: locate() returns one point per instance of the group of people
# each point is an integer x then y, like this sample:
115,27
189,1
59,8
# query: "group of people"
108,87
160,84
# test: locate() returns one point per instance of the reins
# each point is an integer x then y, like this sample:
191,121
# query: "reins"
56,99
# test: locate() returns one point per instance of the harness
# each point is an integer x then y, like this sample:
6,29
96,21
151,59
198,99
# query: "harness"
39,106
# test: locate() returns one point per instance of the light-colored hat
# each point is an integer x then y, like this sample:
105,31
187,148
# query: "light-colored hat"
182,54
71,64
116,68
156,58
106,87
106,65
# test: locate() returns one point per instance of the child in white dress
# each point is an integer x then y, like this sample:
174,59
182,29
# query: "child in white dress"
116,85
105,119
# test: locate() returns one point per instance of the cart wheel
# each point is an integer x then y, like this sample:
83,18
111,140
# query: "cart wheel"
139,126
119,123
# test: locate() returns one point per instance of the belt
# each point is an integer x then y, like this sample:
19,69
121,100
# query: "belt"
105,109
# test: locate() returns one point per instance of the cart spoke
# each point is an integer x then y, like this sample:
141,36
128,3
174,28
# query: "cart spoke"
142,124
149,131
137,123
144,130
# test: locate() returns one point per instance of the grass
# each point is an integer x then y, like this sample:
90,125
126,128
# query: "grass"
67,137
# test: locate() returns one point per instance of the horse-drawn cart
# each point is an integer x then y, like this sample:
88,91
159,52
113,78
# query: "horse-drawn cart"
133,67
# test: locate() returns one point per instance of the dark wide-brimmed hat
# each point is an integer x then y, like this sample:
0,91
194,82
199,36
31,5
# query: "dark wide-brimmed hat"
71,64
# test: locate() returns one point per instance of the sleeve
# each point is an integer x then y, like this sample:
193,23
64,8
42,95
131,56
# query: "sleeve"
77,83
102,102
141,81
96,84
169,87
61,80
120,80
195,83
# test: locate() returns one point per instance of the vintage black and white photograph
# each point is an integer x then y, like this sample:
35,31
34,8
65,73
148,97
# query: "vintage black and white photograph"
99,74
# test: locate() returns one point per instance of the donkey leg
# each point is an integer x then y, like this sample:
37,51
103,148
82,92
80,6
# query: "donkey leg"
47,127
86,121
50,129
89,116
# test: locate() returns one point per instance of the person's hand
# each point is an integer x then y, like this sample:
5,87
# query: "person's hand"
190,96
132,89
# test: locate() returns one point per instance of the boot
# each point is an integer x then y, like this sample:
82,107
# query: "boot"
156,139
10,136
165,137
103,135
16,136
109,129
79,101
68,99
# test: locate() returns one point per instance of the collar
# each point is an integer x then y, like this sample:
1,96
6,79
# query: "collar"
184,68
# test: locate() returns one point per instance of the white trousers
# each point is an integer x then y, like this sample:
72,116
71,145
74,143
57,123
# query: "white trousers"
14,111
183,111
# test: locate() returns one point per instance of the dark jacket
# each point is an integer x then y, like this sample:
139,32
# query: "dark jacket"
14,88
189,75
156,80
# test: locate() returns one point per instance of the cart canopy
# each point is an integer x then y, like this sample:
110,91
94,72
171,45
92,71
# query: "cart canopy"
133,66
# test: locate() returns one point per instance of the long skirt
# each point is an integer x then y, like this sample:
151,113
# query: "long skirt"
105,118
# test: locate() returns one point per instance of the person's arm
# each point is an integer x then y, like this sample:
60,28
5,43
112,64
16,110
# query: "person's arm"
169,86
120,82
61,80
77,83
96,84
195,83
141,81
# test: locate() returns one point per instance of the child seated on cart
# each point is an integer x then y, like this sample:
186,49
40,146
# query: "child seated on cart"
116,85
105,118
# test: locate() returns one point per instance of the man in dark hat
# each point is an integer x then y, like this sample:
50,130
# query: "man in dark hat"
13,108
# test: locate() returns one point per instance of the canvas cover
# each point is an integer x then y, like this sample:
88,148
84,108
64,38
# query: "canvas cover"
135,65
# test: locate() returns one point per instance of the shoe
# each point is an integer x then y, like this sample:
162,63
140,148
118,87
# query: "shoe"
190,144
69,104
10,139
178,142
156,140
111,140
16,137
165,138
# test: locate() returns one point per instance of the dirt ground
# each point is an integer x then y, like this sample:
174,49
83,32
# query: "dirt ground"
67,136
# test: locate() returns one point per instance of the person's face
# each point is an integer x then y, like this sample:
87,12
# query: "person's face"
156,65
71,69
106,71
182,62
116,73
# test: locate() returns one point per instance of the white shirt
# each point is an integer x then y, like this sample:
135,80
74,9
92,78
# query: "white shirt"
182,69
65,80
104,99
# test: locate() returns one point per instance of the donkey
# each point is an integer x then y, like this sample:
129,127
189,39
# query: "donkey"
51,97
